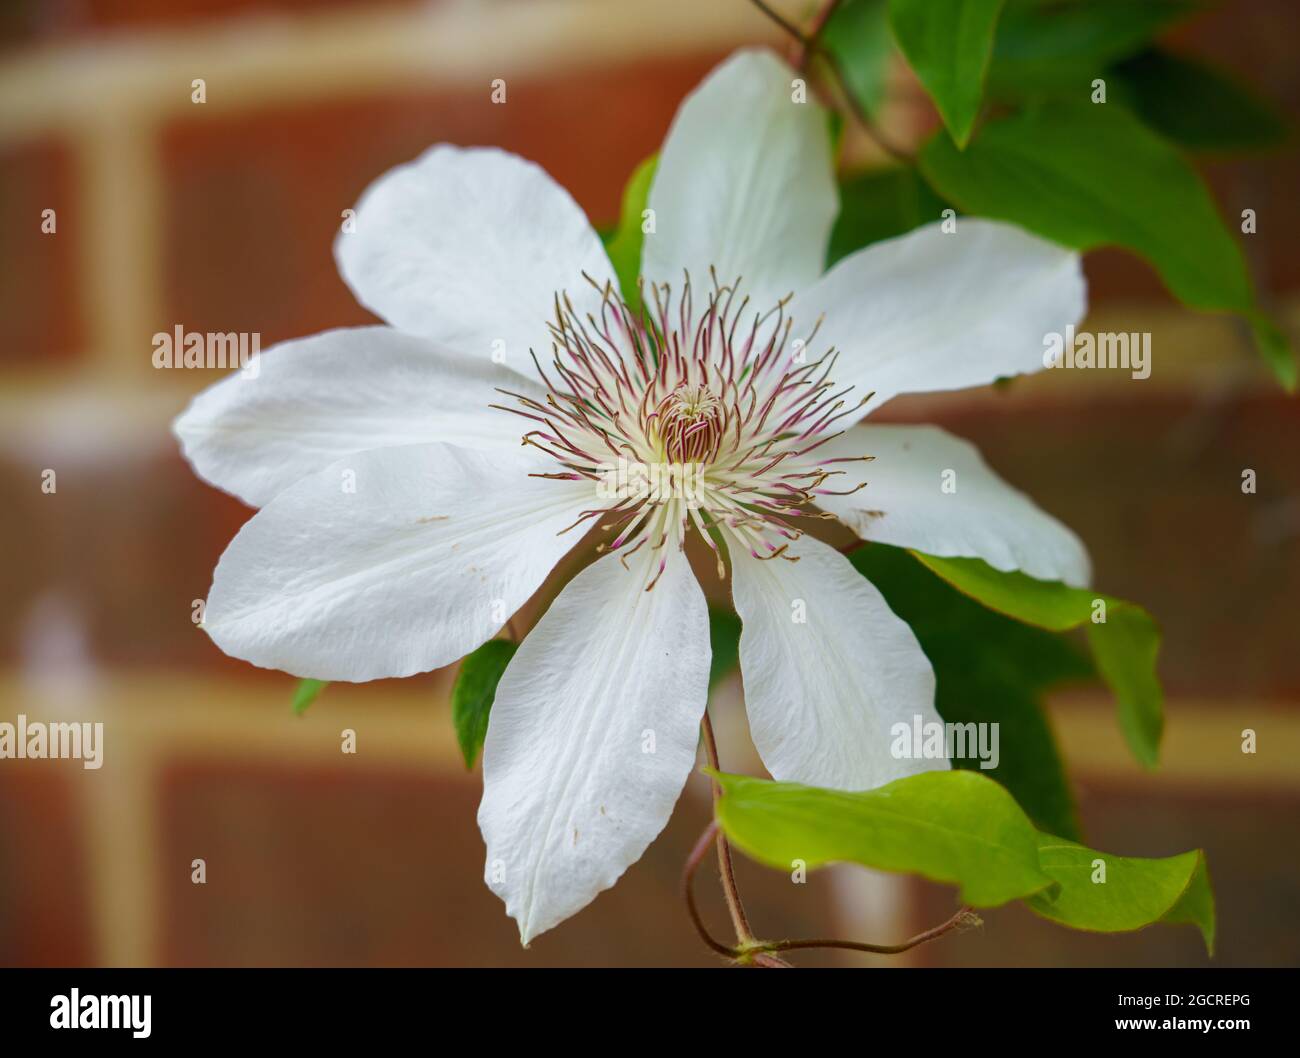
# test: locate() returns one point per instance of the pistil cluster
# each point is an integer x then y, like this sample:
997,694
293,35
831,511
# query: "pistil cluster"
720,396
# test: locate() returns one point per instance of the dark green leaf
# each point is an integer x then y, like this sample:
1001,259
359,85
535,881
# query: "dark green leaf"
1124,644
305,693
948,43
1088,175
624,246
881,205
1276,348
857,34
948,826
1194,104
1050,48
1132,893
724,639
989,669
474,691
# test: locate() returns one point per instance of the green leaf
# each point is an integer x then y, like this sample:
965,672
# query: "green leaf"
962,828
474,691
1089,175
624,246
305,693
857,34
881,205
1124,646
1195,104
948,826
948,43
1134,894
989,669
724,639
1276,348
1054,49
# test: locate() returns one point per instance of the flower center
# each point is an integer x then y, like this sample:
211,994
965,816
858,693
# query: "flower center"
688,423
678,419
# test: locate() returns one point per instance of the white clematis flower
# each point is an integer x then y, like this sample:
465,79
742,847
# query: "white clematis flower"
402,520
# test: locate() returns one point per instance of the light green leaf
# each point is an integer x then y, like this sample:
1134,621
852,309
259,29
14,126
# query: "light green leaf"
474,691
950,826
881,205
962,828
857,34
1054,48
1088,175
948,43
1195,104
305,693
1124,646
624,246
1135,892
989,669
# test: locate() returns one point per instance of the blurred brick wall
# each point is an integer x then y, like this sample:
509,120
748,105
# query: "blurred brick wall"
316,861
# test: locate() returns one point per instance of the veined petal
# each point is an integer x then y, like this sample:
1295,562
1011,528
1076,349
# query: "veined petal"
313,400
390,562
592,735
828,670
931,311
933,492
469,246
744,183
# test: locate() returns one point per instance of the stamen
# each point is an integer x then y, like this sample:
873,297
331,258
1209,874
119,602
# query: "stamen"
700,419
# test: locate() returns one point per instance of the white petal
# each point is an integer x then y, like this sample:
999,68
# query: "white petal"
424,561
828,670
911,500
470,247
592,736
931,311
315,399
744,183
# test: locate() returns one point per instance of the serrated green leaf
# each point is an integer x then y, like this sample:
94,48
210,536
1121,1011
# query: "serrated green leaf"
1124,646
948,44
473,693
988,668
624,246
881,205
305,693
949,826
1054,48
1132,893
857,34
1195,104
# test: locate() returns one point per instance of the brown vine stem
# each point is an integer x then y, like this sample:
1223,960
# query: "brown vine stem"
810,45
965,918
744,935
753,953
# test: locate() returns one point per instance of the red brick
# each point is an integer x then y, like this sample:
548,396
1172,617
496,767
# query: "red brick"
44,913
354,865
253,202
40,303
